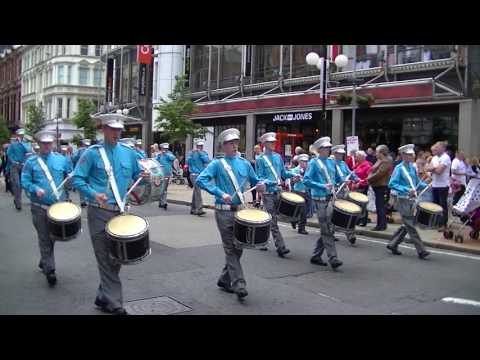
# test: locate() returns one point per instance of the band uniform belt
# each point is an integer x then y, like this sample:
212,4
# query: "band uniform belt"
326,198
228,207
105,207
43,206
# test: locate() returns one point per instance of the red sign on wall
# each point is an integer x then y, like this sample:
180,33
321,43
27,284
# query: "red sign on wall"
144,54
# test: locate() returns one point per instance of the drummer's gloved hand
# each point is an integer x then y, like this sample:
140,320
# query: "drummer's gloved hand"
227,198
40,193
145,175
260,187
101,198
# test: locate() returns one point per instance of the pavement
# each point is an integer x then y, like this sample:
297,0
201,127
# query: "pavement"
182,194
187,257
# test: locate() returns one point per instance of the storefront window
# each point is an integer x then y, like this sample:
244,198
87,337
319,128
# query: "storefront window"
199,71
214,71
395,127
407,54
230,65
367,56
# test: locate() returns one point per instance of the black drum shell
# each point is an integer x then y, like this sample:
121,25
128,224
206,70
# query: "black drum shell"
427,218
128,251
64,230
290,209
243,229
343,219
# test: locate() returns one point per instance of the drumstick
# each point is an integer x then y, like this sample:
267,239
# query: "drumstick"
133,187
344,182
64,181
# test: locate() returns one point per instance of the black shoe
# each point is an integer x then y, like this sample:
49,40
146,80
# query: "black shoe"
160,205
100,303
165,206
335,263
201,213
51,278
264,248
336,239
303,231
40,266
226,287
191,211
362,224
119,311
393,250
294,225
376,228
352,240
282,252
83,204
241,293
423,255
317,260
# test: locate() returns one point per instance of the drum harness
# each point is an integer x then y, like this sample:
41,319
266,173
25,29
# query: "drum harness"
50,178
272,169
234,181
327,176
414,188
113,184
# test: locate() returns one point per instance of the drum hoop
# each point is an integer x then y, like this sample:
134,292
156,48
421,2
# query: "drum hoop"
291,201
135,261
420,208
253,222
345,212
126,237
64,222
357,200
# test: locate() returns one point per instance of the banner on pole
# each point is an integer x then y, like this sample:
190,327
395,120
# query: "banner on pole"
352,144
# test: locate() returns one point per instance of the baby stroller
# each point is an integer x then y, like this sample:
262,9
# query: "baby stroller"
465,213
177,176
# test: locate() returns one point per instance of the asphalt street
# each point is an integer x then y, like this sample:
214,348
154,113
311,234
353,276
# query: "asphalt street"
187,258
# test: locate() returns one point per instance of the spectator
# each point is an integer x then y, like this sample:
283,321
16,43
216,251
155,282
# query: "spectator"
350,160
459,175
362,170
474,168
371,156
440,169
420,165
257,151
378,179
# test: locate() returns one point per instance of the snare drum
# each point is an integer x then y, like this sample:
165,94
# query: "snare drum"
150,190
64,221
429,214
358,198
345,214
129,238
291,205
251,228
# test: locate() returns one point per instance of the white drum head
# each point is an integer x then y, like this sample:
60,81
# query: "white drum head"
64,211
127,225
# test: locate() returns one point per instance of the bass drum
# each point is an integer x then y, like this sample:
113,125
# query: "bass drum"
429,214
345,215
150,190
290,205
129,238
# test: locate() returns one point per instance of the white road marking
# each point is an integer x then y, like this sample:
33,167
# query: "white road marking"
471,257
329,297
461,301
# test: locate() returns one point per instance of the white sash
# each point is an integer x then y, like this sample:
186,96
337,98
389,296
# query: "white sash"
339,171
230,173
325,171
111,179
409,179
272,169
49,177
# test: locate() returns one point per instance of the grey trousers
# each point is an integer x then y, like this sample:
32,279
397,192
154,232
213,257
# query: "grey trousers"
232,272
15,176
326,240
405,208
270,204
110,288
163,191
196,196
45,242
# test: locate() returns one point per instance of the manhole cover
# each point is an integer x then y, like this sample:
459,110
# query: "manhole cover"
162,305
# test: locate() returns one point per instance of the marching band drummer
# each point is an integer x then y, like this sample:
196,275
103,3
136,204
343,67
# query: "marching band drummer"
345,173
405,183
166,159
197,161
84,144
138,149
225,172
271,171
300,189
104,196
35,180
16,154
321,177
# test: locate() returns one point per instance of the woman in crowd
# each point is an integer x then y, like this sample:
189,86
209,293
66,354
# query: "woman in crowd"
362,169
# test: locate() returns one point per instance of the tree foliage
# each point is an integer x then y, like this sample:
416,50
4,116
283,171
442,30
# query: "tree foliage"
35,119
82,118
174,114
